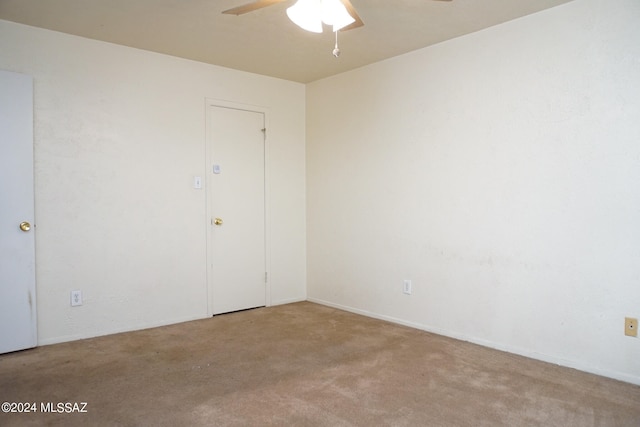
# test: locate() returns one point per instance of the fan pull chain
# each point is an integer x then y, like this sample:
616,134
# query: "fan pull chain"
336,49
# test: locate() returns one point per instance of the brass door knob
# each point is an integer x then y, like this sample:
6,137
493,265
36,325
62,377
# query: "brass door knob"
217,221
25,226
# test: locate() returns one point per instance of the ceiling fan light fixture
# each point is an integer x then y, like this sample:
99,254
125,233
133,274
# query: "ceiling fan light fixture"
310,14
306,14
334,13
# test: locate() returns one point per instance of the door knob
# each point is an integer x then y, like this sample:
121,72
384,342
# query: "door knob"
217,221
25,226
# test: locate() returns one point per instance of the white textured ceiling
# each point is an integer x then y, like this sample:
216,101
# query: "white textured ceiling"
265,41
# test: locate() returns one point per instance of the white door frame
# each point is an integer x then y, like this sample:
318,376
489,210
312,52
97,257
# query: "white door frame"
209,133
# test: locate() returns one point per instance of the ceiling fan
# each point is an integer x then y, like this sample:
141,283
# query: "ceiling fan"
310,14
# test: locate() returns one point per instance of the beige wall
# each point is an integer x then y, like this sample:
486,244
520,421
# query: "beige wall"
500,173
119,136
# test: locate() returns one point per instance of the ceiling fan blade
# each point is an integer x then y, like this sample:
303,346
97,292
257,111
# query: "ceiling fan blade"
352,11
250,7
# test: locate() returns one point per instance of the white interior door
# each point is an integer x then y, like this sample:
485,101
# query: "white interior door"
236,185
17,243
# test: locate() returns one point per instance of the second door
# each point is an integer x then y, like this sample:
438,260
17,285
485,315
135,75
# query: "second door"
236,182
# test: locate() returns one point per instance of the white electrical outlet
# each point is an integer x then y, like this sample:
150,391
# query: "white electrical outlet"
76,298
406,287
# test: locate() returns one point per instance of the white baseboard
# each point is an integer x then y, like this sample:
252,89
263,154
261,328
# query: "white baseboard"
287,301
141,326
497,346
137,327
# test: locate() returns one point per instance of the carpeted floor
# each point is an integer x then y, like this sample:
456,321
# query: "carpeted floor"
301,365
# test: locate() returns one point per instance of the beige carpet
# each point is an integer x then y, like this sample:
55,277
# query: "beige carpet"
302,365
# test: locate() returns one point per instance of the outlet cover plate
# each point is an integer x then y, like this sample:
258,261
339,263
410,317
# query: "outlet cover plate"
630,327
406,287
76,298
